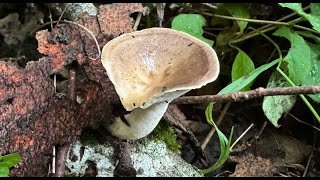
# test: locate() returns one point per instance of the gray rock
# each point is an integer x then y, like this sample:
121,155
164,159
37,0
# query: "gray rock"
150,159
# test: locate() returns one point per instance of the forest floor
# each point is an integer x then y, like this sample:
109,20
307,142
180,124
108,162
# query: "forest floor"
264,150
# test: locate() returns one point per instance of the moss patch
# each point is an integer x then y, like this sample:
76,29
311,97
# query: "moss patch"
89,137
166,133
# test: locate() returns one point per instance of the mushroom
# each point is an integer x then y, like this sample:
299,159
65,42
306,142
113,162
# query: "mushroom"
150,68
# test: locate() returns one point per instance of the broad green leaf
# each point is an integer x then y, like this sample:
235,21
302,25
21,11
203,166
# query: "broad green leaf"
315,9
313,77
9,160
6,162
312,18
238,10
275,106
245,80
294,6
242,66
4,171
220,21
298,57
224,142
225,36
309,35
191,24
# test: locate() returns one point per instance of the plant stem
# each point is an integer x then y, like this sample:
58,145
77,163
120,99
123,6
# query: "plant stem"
213,129
268,22
282,19
301,95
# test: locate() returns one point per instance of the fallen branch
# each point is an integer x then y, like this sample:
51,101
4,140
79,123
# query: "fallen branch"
241,96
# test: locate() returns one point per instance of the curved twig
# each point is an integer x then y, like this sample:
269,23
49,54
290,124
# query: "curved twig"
83,27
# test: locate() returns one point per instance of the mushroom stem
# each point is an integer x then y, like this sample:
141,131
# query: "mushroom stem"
141,122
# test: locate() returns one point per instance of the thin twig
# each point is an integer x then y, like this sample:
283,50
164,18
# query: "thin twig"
63,150
297,119
210,5
83,27
241,96
53,169
281,19
257,136
291,24
91,33
50,17
271,55
64,10
267,22
62,155
210,34
238,139
72,84
248,143
160,12
55,82
210,134
270,26
136,24
310,157
175,117
264,29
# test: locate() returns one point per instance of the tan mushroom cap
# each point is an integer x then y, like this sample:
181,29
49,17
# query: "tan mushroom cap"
144,65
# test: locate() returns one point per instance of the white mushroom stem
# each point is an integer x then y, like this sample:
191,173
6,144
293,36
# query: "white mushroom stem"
141,121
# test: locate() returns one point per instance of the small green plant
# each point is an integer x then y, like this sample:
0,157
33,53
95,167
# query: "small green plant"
300,65
166,133
242,66
192,24
6,162
224,142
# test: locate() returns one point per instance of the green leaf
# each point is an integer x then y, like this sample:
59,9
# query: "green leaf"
274,106
242,66
224,142
9,160
245,80
220,21
309,35
4,171
238,10
298,57
294,6
6,162
313,19
313,77
191,24
315,9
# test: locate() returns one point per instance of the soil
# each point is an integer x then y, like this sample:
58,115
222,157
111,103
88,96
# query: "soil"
36,114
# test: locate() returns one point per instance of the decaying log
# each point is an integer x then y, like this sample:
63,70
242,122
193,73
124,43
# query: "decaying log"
33,118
